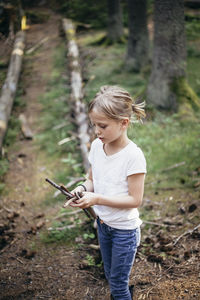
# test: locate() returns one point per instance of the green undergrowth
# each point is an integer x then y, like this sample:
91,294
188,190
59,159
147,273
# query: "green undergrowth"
168,141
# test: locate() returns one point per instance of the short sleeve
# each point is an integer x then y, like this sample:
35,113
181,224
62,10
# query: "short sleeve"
91,153
137,163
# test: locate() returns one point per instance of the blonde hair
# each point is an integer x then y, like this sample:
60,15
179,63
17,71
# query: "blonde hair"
116,103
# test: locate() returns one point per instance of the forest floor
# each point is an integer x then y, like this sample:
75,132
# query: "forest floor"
31,269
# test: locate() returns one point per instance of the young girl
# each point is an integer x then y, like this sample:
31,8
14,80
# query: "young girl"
115,185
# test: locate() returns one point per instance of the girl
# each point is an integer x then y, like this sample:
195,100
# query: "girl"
115,185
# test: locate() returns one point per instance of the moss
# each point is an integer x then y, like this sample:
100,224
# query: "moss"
104,40
187,99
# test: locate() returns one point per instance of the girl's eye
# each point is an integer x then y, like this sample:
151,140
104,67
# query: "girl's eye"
101,126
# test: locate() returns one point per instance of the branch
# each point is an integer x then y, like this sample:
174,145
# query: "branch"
185,233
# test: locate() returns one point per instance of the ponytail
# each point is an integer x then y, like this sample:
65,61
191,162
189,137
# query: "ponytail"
138,110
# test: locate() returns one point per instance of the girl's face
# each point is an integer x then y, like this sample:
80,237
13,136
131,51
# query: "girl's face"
107,130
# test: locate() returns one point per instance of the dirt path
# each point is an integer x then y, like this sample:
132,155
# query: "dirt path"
32,270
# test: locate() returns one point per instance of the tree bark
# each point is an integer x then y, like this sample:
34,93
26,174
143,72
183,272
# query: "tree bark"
76,92
115,27
169,54
10,86
138,42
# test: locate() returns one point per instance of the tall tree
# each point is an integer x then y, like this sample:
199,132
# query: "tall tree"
115,26
138,42
167,82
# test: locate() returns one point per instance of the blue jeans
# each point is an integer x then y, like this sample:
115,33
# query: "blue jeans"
118,249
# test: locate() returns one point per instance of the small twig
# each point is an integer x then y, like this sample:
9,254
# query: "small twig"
157,224
5,248
70,213
66,140
166,188
62,228
19,260
59,126
72,182
94,247
185,233
31,50
173,166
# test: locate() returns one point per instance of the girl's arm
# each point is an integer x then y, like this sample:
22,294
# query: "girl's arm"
88,183
132,200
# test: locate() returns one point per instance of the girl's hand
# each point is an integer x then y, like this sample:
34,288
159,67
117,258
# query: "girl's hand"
77,190
88,199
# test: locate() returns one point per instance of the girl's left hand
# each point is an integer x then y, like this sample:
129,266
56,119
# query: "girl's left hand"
88,199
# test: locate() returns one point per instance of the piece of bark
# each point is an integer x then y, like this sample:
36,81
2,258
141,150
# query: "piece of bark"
28,134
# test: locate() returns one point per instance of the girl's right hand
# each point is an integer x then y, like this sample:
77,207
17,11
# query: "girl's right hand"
78,190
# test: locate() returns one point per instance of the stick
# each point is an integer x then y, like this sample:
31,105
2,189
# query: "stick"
174,166
185,233
88,211
29,51
154,223
68,185
70,213
62,228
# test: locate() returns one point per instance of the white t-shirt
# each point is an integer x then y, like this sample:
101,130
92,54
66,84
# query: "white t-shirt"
110,178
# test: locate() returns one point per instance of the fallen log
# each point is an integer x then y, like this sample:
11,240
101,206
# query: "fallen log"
10,86
76,91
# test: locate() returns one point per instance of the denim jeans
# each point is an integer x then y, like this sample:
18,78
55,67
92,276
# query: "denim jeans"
118,249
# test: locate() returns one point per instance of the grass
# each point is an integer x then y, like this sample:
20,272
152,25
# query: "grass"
105,67
168,141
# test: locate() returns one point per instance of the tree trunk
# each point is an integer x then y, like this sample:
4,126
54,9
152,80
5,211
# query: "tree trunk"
10,86
77,92
138,43
115,27
169,54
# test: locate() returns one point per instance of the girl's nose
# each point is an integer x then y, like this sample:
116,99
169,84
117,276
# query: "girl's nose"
97,131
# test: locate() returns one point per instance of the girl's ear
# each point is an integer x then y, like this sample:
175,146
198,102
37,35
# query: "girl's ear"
125,123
